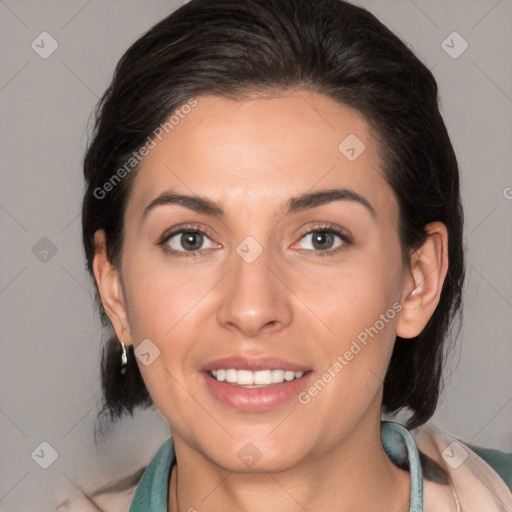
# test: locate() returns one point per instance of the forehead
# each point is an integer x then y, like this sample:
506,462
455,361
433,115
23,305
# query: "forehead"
260,151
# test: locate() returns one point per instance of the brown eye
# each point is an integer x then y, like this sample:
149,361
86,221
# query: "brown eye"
191,241
184,241
324,240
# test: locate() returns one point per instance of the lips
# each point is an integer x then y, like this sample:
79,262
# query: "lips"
255,398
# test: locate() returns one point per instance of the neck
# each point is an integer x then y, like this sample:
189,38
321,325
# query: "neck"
354,475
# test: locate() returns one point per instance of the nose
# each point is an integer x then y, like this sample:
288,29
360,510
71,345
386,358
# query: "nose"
255,298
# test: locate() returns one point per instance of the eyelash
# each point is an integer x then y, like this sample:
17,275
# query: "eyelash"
190,228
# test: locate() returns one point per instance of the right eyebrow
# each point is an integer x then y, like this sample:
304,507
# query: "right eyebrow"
195,203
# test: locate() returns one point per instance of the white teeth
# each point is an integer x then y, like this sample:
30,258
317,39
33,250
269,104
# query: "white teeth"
244,378
255,379
231,375
263,377
277,375
288,375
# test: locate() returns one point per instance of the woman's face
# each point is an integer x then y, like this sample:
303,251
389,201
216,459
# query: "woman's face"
257,270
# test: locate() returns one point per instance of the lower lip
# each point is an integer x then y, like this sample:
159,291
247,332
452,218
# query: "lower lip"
255,399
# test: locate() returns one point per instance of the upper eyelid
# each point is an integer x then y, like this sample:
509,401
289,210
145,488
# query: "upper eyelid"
189,227
345,237
340,232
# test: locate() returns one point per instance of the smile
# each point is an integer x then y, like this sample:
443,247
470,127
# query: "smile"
248,378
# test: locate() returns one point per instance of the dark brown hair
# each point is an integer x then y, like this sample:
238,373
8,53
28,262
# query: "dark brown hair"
233,48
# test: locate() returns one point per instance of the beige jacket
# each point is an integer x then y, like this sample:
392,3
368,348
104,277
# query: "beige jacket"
475,486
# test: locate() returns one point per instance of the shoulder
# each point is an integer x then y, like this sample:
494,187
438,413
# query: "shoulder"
478,477
142,490
500,461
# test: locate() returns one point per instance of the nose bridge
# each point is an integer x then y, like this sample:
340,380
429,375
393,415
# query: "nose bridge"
254,298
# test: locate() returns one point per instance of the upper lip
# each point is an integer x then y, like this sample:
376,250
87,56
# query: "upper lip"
254,364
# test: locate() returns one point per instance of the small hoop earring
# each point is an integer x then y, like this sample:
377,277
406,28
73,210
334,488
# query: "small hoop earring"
124,360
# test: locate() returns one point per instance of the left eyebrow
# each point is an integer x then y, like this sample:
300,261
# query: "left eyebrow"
295,204
319,198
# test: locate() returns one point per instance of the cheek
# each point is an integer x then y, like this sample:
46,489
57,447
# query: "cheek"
360,309
359,306
163,307
353,297
161,297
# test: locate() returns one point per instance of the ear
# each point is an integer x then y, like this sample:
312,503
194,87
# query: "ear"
424,281
110,287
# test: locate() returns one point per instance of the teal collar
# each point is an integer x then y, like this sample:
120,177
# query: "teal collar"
152,490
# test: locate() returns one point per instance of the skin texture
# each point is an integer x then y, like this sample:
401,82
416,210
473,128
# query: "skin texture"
292,302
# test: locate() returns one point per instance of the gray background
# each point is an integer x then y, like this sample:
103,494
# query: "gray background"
51,337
